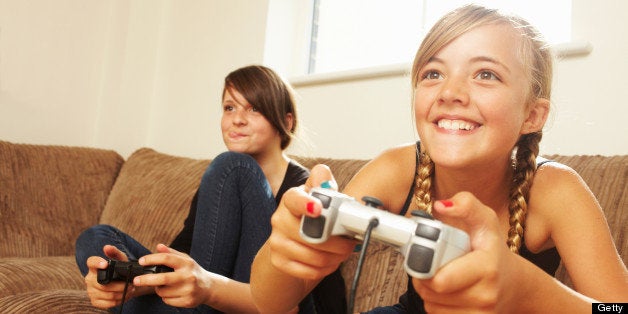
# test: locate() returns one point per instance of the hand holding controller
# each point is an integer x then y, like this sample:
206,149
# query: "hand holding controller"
123,271
426,244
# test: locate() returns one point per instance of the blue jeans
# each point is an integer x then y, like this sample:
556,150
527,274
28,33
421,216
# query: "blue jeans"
232,222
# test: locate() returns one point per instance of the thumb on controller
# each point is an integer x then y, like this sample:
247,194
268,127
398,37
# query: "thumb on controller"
466,212
114,253
321,176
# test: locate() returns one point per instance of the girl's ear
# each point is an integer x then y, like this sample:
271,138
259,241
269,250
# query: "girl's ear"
537,115
289,120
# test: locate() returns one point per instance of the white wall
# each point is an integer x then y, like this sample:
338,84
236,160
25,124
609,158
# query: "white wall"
122,74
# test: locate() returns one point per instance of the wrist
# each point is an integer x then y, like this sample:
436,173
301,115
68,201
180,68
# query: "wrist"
212,287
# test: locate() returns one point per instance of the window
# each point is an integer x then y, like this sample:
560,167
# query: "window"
328,36
350,34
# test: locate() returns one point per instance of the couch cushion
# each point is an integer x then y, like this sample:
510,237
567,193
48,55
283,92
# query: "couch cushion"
20,275
48,194
152,195
343,169
50,301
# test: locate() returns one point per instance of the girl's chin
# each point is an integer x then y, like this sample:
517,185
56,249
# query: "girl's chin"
237,147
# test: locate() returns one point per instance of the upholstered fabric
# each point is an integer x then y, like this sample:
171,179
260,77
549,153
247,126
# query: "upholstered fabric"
152,196
49,194
66,301
24,275
343,169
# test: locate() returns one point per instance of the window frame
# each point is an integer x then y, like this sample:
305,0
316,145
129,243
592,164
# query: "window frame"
300,57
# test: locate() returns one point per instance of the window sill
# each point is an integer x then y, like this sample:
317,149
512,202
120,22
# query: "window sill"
562,51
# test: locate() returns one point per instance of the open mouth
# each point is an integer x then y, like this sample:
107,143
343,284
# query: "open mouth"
456,125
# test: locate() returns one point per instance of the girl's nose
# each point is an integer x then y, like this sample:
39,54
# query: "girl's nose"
239,117
454,91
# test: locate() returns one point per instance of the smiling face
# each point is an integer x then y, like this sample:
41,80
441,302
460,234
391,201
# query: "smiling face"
470,100
244,129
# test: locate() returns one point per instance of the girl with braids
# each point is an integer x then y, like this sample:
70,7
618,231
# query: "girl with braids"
481,85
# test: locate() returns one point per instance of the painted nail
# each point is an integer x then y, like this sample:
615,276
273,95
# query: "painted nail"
326,185
447,203
310,207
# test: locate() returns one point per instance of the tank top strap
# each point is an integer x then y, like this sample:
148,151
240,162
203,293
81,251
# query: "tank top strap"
408,201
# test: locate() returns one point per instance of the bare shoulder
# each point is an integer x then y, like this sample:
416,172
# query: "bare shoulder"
389,176
554,179
559,186
563,212
559,200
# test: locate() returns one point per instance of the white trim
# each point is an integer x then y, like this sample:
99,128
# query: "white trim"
572,49
351,75
564,50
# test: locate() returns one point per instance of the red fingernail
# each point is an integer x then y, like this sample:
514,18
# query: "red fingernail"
447,203
310,207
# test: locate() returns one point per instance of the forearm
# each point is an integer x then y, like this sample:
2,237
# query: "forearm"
273,290
545,294
230,296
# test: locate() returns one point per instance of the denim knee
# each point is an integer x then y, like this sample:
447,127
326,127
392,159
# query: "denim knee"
89,243
90,235
228,161
232,159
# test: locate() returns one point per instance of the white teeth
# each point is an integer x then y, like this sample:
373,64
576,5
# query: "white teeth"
455,125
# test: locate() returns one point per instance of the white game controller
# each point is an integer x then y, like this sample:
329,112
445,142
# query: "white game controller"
426,244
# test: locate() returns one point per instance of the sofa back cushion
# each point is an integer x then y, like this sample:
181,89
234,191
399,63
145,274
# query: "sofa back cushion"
49,194
343,169
152,196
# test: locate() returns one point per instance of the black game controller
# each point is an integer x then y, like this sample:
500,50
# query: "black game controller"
426,243
126,271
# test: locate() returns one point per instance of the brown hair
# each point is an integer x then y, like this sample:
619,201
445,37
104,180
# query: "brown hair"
537,58
269,94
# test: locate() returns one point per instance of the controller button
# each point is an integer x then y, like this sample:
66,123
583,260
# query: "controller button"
420,258
422,214
313,227
427,232
325,200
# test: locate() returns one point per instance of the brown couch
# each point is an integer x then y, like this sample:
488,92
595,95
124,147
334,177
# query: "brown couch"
49,194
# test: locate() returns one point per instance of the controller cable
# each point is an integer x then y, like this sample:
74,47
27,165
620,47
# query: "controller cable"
126,286
356,277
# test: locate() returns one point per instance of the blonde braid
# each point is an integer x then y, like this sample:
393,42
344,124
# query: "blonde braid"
423,184
525,167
